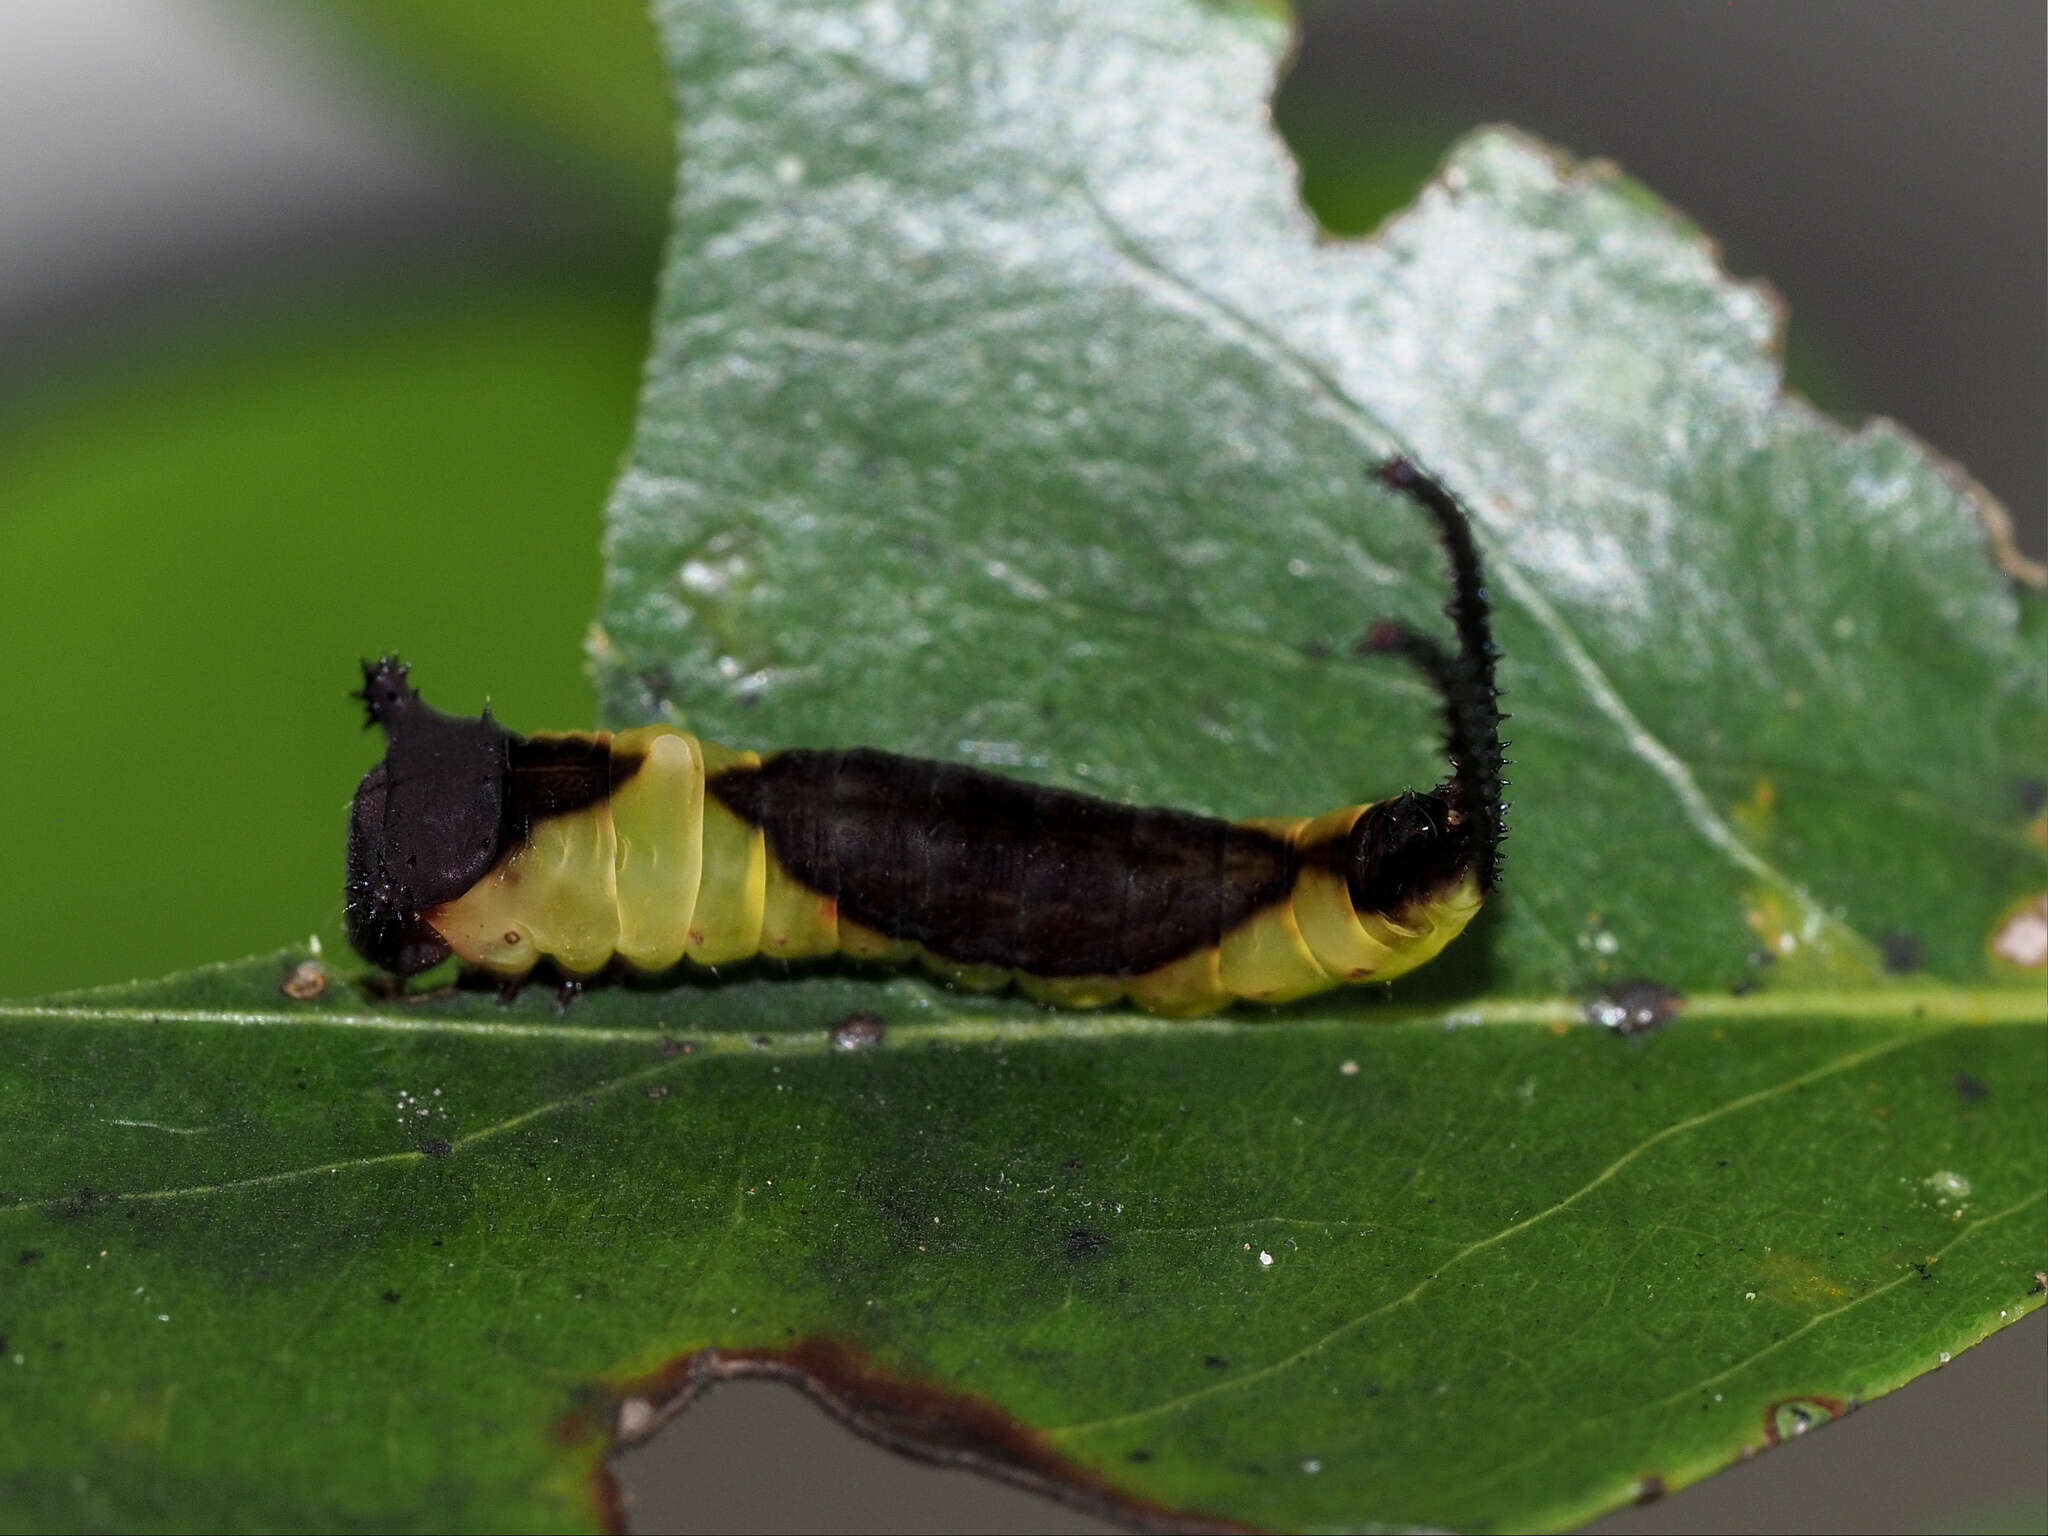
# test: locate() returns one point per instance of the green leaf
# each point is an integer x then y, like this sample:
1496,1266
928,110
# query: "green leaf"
1005,406
425,1257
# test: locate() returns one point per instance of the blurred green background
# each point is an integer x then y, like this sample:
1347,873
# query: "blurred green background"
336,352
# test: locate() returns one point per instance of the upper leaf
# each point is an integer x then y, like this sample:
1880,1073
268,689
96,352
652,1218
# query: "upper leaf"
1004,405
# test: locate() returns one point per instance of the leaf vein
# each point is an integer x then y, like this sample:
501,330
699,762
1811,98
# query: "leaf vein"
1677,1128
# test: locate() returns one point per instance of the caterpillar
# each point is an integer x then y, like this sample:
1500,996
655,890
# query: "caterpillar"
654,846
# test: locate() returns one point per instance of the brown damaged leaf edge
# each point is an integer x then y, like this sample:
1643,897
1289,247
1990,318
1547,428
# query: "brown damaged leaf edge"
1790,1417
918,1419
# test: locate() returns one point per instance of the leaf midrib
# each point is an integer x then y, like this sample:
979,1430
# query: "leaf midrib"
1910,1007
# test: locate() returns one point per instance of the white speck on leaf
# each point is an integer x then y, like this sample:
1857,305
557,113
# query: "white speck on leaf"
1947,1185
2022,939
636,1417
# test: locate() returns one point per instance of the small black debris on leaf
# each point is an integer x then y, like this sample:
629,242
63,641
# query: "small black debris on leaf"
1215,1362
2032,794
1084,1244
1635,1007
1971,1090
30,1256
1649,1489
1901,949
1140,1456
391,1296
437,1146
76,1205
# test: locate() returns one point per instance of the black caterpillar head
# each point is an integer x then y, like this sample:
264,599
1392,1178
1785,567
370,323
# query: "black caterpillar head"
426,823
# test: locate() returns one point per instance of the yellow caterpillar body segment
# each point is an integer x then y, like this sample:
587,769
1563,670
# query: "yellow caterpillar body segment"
662,870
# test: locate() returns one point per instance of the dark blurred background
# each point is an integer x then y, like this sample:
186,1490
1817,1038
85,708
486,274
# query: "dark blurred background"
320,325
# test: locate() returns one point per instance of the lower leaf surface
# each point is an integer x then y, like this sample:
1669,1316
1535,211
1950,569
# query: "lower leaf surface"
314,1264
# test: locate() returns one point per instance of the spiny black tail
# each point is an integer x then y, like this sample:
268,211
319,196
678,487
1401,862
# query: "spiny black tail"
1472,714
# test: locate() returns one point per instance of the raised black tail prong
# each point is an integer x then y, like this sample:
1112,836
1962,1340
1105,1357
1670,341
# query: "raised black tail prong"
1465,678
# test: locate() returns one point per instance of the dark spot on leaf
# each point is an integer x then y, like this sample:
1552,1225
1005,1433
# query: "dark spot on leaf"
3,1343
1635,1007
658,1092
1649,1489
391,1296
1216,1362
30,1256
859,1031
437,1146
1140,1457
1318,650
1072,1165
670,1046
762,1042
2032,794
1789,1417
1083,1244
75,1205
1901,950
1971,1090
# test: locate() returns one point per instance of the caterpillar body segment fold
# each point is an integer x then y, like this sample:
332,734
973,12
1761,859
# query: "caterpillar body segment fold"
656,847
